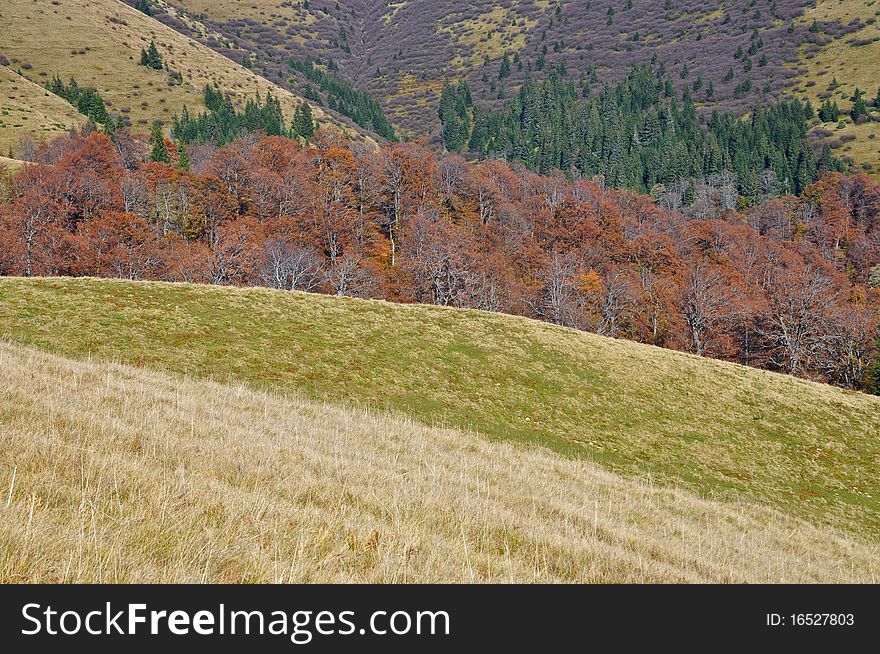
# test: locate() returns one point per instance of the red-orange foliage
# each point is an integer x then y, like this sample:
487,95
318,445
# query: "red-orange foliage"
783,285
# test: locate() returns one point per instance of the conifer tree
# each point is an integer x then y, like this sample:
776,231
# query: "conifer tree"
859,108
505,67
151,57
638,134
303,121
160,150
829,112
183,157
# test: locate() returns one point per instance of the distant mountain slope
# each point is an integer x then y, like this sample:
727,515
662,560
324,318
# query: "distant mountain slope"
842,54
402,51
724,430
28,108
98,42
113,474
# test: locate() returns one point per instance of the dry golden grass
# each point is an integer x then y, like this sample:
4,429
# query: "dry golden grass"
259,10
8,165
99,42
852,67
27,108
393,8
472,34
114,474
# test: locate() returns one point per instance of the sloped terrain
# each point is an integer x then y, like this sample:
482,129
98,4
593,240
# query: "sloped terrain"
721,429
842,54
402,51
98,42
27,108
113,474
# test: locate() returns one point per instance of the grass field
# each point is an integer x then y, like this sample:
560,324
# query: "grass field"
9,166
27,108
114,474
99,42
723,430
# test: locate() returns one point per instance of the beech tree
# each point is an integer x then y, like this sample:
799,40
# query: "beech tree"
789,284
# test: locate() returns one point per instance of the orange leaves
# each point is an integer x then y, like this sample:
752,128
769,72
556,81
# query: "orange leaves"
589,283
117,244
404,224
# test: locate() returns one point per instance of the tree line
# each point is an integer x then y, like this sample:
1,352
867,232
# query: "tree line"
790,284
222,122
88,101
637,134
343,97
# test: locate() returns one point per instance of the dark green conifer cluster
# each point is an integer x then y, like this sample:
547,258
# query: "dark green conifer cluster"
87,101
637,133
358,105
222,123
151,57
144,7
455,117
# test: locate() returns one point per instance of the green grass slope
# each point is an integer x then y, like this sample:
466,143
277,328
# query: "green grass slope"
721,429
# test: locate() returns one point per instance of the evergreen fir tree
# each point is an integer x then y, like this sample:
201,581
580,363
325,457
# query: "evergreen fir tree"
303,121
505,67
183,157
87,101
455,120
637,133
160,151
829,112
151,57
859,108
343,97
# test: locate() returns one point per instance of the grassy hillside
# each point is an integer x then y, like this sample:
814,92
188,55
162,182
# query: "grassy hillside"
8,165
112,474
27,108
717,428
846,48
99,42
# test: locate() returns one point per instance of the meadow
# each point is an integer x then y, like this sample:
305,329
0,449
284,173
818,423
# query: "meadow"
840,61
27,108
98,42
721,430
115,474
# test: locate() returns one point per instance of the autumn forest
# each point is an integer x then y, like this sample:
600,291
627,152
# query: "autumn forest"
789,284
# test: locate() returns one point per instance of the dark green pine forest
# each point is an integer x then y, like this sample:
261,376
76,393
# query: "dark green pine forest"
636,133
87,101
358,105
222,123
